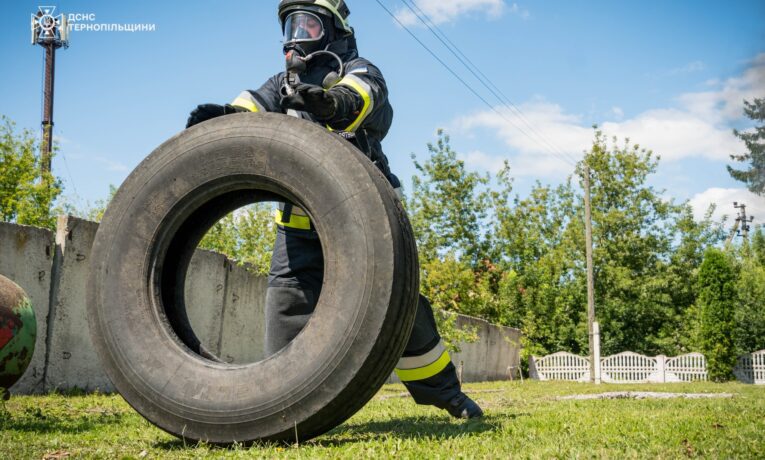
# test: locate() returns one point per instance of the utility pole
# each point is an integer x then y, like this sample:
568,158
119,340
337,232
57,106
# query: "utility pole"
50,32
590,274
742,220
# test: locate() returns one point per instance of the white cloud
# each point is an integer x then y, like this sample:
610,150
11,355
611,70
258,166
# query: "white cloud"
677,134
547,140
443,11
481,161
725,102
700,127
724,198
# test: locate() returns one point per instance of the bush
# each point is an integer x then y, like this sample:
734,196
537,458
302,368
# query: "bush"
717,304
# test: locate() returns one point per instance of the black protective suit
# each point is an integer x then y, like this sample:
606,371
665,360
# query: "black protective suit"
363,116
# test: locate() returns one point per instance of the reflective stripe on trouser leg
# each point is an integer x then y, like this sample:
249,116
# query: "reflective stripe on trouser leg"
423,366
425,355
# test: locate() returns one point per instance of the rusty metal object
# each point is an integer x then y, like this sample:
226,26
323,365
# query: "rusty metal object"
18,330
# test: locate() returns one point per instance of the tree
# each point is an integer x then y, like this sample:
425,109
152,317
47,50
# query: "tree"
447,206
750,288
758,245
633,238
750,309
754,176
717,305
96,213
26,195
246,235
538,288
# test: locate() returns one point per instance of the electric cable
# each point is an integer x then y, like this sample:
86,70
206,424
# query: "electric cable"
479,75
464,83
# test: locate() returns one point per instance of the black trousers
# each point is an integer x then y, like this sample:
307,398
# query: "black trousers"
294,286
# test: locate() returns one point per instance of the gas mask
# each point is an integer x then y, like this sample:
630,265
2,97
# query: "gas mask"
305,32
307,35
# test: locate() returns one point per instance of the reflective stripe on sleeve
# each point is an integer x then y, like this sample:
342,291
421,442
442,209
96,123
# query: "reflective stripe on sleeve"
423,366
365,91
245,100
295,220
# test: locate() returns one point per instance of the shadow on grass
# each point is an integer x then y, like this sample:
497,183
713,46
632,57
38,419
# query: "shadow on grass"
35,421
405,428
410,428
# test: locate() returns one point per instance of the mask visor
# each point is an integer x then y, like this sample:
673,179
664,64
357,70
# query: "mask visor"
302,27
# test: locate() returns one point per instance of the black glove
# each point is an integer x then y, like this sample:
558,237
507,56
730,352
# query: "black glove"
312,99
206,112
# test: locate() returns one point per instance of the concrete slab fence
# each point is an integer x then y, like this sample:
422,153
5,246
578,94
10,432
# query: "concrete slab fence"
225,302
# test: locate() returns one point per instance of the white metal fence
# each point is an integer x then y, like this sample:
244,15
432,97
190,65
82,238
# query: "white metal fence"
629,367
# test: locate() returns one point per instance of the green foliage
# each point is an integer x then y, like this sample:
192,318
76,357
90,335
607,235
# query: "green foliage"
750,309
717,304
632,234
246,235
447,206
447,209
534,244
754,175
96,213
758,245
26,195
519,261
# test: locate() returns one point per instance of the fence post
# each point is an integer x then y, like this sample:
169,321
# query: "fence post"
596,355
661,368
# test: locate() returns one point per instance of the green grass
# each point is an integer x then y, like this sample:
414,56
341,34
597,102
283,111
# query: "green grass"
523,420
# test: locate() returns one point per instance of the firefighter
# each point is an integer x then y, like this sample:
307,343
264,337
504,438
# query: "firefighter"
326,82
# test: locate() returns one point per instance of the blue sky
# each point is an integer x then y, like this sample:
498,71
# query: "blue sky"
671,76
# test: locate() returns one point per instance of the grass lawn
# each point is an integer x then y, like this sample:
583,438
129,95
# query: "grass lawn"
523,420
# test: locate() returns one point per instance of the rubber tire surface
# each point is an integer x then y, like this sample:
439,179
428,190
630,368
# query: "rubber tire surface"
141,252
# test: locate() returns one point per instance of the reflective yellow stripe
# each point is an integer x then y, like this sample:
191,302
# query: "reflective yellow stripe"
245,103
407,375
358,85
416,362
299,222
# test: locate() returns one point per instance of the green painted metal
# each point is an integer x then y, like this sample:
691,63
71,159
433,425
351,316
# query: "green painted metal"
18,330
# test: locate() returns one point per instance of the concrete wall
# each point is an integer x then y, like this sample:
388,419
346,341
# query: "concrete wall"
225,302
71,359
495,356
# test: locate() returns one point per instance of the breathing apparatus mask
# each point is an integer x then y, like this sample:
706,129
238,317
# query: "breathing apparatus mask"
308,34
305,33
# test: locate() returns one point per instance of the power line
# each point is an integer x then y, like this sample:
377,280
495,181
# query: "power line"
475,71
461,80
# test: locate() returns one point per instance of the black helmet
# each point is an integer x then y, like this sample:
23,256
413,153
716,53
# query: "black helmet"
336,9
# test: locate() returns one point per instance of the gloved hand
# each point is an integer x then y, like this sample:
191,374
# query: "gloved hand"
206,112
312,99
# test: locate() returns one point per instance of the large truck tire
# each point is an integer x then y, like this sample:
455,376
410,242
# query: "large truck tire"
141,254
